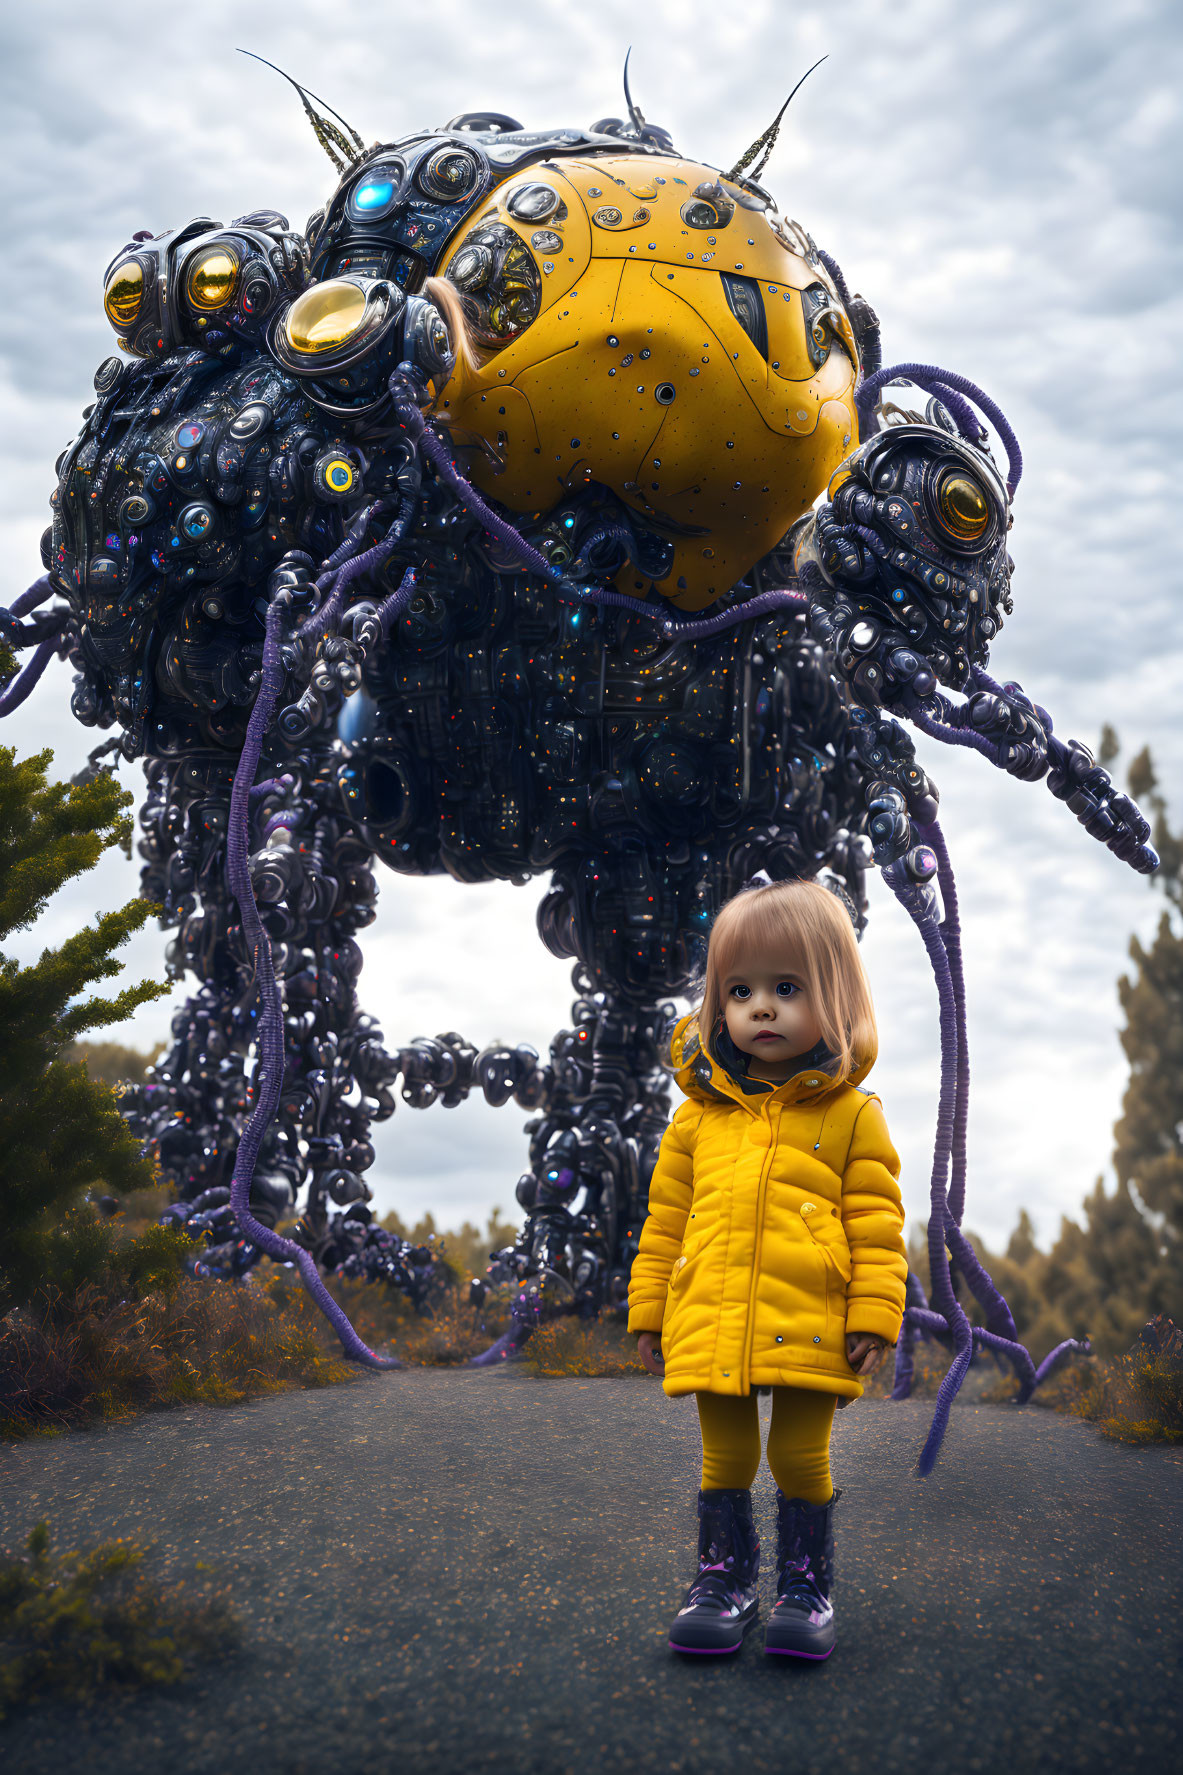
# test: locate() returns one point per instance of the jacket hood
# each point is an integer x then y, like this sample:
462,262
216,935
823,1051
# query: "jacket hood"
707,1079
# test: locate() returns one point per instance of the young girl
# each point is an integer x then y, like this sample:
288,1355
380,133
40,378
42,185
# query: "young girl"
773,1252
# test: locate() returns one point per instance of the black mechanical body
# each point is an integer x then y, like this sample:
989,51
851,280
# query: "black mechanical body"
476,701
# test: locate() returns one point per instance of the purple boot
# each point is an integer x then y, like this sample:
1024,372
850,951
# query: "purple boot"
724,1599
801,1624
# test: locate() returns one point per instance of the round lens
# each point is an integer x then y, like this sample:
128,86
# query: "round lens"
375,196
449,174
324,317
124,293
471,268
533,203
963,507
212,280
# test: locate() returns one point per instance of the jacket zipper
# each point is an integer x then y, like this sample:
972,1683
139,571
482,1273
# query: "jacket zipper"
746,1375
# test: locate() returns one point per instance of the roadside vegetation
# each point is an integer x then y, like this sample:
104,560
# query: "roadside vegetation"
75,1623
99,1318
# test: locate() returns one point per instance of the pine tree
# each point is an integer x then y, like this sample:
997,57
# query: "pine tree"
1148,1152
60,1131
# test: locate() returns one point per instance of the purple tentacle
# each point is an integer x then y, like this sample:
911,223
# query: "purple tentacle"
983,680
1018,1354
1057,1357
27,678
941,382
270,786
691,629
339,578
506,1347
37,593
944,1299
268,1082
395,604
963,415
925,1318
933,836
922,1319
999,1317
954,736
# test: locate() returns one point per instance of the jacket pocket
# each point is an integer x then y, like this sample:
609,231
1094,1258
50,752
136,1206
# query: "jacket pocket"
829,1235
684,1261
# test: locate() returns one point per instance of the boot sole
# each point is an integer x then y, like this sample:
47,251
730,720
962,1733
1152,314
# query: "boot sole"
793,1652
717,1650
707,1651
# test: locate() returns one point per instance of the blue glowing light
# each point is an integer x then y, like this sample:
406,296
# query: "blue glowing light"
375,194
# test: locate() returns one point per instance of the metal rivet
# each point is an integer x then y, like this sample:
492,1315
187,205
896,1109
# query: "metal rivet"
817,1340
779,1338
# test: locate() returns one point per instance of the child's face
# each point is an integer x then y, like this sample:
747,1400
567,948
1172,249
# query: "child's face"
768,1011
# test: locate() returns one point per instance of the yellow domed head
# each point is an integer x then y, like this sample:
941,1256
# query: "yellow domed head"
647,325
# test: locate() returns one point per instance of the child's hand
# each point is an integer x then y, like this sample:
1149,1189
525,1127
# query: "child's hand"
649,1350
864,1351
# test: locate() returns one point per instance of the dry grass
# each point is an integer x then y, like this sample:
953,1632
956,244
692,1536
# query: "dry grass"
1135,1398
69,1360
387,1322
566,1347
74,1623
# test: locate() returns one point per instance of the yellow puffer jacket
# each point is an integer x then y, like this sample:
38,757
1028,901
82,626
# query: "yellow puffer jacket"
775,1227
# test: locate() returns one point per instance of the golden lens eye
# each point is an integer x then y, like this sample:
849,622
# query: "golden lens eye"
212,280
124,293
324,317
963,507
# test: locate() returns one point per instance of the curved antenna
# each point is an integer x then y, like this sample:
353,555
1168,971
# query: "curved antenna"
768,140
327,134
304,90
634,111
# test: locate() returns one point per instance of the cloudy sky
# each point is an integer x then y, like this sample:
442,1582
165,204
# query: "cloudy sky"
995,179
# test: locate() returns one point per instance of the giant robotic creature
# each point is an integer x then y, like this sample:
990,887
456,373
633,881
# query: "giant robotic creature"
541,509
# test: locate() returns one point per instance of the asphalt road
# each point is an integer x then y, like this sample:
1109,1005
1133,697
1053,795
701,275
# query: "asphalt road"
460,1570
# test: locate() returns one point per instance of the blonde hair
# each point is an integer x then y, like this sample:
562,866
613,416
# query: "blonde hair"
806,917
447,299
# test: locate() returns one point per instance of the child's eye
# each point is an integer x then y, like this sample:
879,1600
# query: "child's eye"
741,992
786,988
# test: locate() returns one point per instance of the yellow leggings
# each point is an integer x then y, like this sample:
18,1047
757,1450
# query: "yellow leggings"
798,1441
